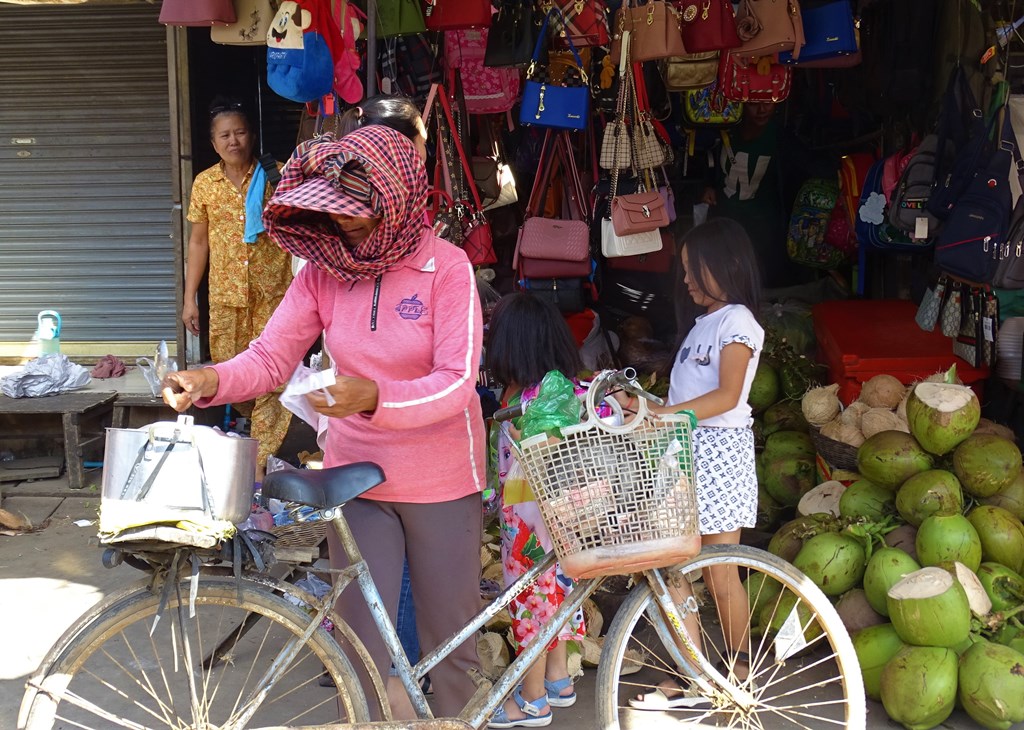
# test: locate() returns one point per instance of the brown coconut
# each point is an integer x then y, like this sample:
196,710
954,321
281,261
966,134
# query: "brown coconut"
996,429
852,414
844,433
882,391
821,405
876,420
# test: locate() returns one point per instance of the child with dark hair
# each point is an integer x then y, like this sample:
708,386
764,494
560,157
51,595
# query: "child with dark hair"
527,338
711,376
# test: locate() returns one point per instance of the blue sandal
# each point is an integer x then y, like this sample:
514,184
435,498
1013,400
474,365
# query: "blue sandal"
555,696
535,717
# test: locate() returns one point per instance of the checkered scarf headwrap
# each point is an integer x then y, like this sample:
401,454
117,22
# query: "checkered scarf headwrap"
398,187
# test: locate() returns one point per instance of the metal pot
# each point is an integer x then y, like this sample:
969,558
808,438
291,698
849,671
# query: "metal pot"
189,470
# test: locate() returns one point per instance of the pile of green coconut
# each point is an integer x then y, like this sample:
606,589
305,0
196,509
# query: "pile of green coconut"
923,554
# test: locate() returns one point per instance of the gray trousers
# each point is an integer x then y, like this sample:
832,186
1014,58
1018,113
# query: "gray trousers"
442,542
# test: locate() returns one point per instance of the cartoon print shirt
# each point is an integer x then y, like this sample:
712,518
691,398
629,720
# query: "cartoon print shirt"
695,371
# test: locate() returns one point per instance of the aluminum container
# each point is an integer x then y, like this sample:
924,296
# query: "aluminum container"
184,468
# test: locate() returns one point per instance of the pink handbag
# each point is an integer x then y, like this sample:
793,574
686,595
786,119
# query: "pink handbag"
554,248
639,212
199,13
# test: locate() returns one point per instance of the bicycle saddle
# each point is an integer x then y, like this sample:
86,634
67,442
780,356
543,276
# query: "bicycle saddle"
322,488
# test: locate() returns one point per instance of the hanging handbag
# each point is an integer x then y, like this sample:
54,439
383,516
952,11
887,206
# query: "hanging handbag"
565,106
668,195
740,79
1010,270
582,22
989,327
457,14
655,262
250,29
491,171
931,306
550,248
648,151
512,34
197,13
615,145
708,107
399,17
830,32
565,294
968,343
692,71
952,311
484,90
654,27
708,25
768,27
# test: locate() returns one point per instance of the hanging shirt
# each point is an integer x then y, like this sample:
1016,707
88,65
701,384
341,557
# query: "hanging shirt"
239,271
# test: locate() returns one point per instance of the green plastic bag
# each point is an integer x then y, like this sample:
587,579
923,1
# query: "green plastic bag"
555,406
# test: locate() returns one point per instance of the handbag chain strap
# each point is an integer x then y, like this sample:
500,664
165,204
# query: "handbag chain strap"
470,182
625,87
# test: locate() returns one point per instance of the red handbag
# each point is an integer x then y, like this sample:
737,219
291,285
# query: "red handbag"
740,79
708,25
197,13
585,22
456,14
656,262
554,248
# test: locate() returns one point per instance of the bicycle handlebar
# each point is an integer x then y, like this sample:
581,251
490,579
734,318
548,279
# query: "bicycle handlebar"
624,379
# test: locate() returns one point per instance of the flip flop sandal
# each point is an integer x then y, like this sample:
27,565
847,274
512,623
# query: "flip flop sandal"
682,696
534,715
555,689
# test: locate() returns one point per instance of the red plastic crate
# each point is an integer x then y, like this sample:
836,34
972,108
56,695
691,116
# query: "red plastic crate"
858,339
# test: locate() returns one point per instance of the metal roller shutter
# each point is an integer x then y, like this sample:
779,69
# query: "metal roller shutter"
85,177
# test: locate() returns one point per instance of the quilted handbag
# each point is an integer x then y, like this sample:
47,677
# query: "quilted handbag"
931,305
544,104
708,25
655,29
952,311
456,14
654,262
767,27
708,107
692,71
742,80
615,145
197,13
512,34
829,32
582,22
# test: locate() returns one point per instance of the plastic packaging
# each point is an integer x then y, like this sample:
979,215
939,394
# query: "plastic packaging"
154,371
555,406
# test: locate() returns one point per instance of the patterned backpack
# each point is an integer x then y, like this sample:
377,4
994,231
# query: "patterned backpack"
486,89
805,241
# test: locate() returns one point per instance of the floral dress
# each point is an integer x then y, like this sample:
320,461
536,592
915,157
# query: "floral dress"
524,541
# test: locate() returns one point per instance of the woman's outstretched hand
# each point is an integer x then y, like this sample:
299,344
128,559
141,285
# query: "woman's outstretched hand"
182,388
350,395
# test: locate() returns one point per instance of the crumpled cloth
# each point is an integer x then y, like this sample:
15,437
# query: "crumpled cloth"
46,375
109,366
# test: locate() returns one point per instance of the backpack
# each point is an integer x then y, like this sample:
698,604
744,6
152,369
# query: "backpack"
962,124
409,66
805,241
908,206
871,225
486,89
853,170
299,62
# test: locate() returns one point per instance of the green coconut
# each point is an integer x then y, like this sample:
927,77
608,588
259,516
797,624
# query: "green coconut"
889,458
866,500
967,643
788,443
769,511
788,539
875,646
761,590
986,464
977,598
918,686
788,478
929,608
941,415
931,492
1005,587
1002,536
834,561
785,415
886,568
992,685
1011,636
1010,497
764,389
948,537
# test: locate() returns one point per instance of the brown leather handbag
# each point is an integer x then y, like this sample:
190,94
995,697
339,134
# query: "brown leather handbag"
655,28
708,25
767,27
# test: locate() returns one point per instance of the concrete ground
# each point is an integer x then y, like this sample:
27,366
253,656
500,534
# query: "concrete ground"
49,576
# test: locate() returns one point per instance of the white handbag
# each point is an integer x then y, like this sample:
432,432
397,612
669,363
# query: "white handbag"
508,193
254,17
634,244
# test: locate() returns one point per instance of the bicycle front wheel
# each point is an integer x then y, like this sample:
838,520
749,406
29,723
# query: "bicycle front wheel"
201,672
793,662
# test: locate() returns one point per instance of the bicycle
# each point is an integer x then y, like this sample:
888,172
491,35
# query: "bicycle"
122,665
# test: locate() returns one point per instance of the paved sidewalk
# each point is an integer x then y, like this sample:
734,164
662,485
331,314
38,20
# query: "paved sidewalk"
48,578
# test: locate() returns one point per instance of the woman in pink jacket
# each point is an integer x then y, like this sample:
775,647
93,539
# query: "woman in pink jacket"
400,314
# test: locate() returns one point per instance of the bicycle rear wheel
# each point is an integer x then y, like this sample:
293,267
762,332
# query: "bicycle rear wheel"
802,672
108,671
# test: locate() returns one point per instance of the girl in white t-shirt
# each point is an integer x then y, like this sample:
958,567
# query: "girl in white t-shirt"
711,376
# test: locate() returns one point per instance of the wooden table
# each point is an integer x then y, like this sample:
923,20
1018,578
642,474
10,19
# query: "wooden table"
73,408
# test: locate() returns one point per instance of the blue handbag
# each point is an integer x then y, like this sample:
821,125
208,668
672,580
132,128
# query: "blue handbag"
829,32
548,105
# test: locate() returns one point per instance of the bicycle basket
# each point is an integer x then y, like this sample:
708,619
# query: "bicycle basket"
619,499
